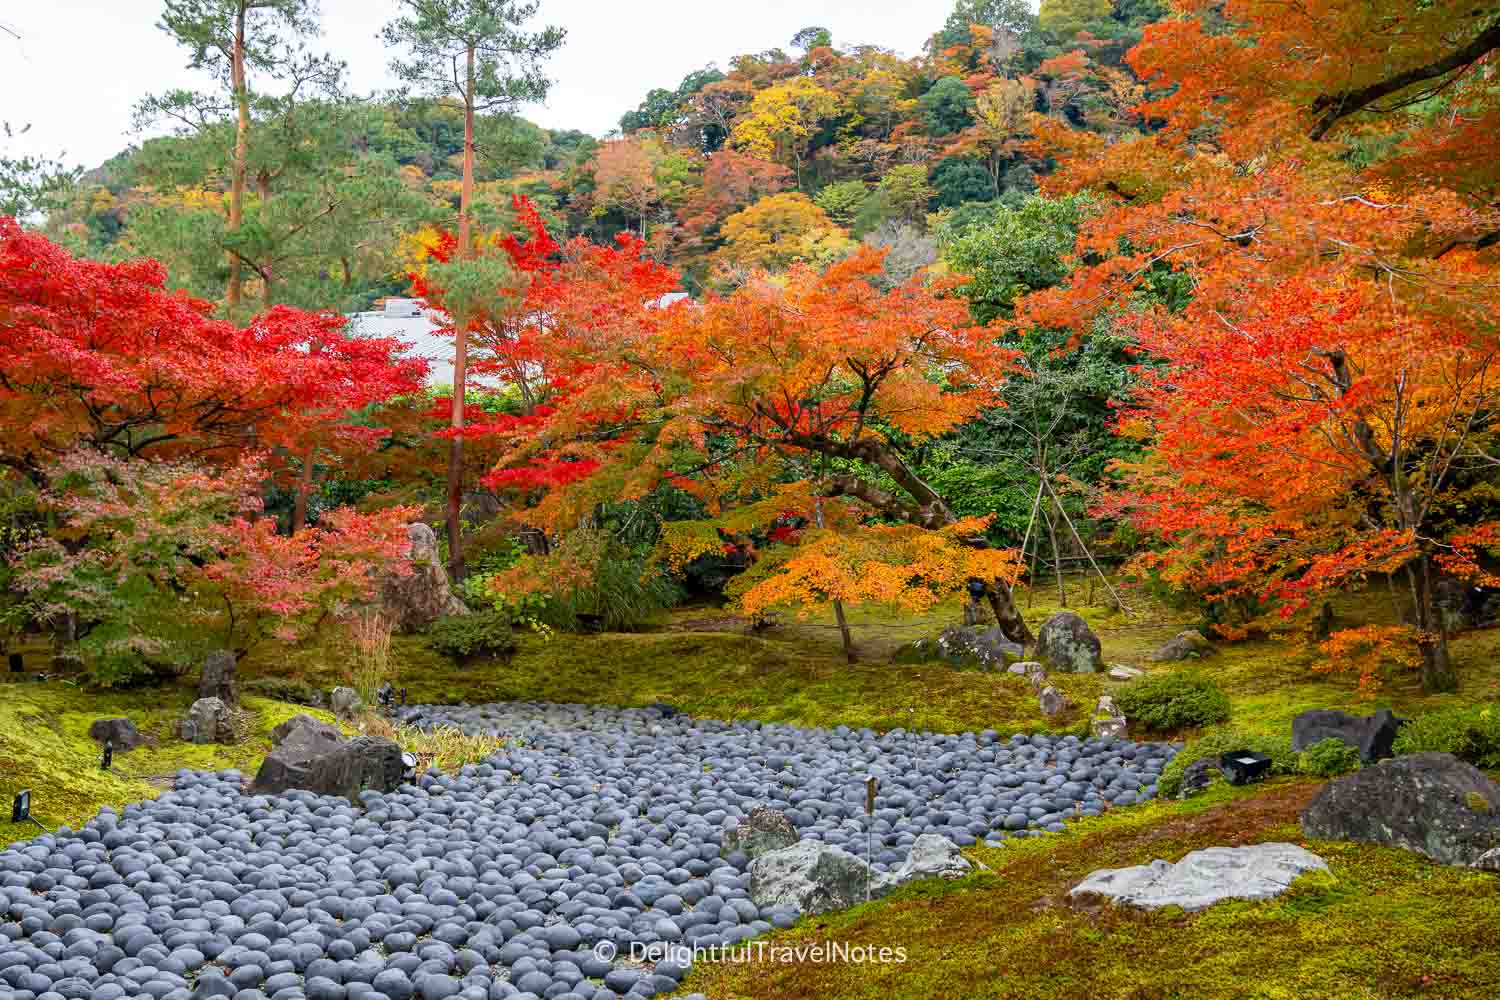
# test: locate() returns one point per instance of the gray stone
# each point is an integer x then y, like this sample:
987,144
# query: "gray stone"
1051,701
220,678
932,856
1066,643
119,732
208,722
345,702
1430,803
1120,672
1197,778
305,732
965,647
1189,644
763,831
1203,878
809,876
1108,722
415,600
1372,735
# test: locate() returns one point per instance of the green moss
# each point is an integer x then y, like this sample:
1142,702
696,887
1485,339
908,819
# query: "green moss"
45,747
1477,802
1383,924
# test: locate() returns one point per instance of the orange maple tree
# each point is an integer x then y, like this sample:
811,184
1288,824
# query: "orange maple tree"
1324,406
785,401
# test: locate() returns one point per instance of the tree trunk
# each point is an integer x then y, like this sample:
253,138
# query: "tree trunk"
1437,668
304,487
461,343
241,151
838,606
263,197
1002,602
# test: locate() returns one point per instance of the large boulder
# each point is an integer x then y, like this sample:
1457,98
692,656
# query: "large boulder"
120,733
1430,803
1372,735
208,721
1065,642
415,600
1187,645
220,678
344,769
1204,877
932,856
809,876
763,831
306,733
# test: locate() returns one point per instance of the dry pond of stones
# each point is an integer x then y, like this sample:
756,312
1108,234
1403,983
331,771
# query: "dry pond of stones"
598,833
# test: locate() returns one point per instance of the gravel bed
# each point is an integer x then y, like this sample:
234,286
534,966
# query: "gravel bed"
595,834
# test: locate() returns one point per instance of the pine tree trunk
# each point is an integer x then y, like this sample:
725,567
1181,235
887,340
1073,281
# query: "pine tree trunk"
241,152
461,343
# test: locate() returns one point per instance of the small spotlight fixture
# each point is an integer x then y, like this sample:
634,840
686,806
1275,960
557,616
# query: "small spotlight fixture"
409,765
20,810
109,755
17,663
977,588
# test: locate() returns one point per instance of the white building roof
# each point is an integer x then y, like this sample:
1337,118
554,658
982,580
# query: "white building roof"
407,320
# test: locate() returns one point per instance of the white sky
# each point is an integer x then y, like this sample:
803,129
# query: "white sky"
81,65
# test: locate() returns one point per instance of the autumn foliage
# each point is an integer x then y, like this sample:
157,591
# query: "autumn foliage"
1324,397
104,356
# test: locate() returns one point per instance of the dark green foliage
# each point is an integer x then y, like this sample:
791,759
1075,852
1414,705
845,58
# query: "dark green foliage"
1329,758
1166,702
662,108
961,179
487,632
1284,760
1468,732
946,106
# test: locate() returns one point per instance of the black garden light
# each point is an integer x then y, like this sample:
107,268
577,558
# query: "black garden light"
17,663
409,764
109,755
977,589
386,696
1242,767
20,810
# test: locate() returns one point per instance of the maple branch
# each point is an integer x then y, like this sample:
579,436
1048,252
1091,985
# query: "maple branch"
1335,107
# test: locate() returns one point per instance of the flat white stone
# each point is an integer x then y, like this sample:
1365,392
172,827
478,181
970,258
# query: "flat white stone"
1204,877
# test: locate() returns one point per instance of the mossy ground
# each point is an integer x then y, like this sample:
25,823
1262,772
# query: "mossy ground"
45,747
1387,924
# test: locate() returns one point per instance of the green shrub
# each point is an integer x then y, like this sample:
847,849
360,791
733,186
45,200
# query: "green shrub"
486,632
1328,758
1220,741
1173,701
623,594
1470,732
